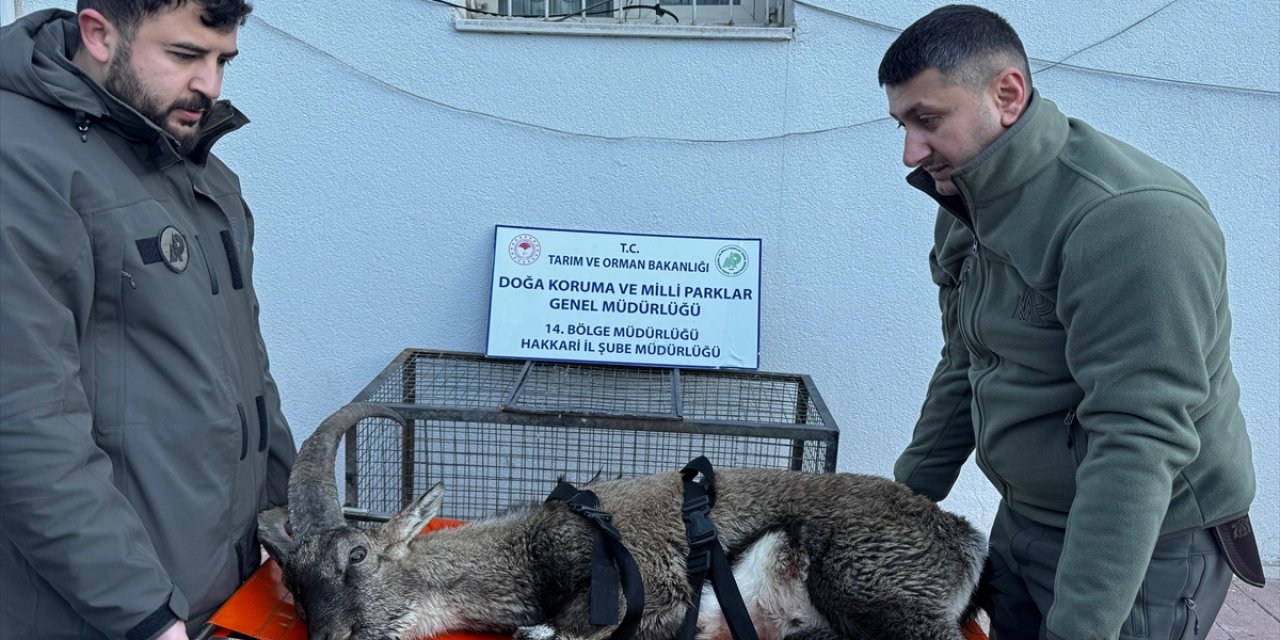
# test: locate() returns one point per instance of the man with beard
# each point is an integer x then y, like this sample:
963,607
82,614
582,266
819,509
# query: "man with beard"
141,428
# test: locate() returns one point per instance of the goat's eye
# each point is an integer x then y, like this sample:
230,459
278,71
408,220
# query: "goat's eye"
357,555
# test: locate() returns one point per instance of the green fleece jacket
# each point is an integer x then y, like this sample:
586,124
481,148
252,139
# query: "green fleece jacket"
1083,288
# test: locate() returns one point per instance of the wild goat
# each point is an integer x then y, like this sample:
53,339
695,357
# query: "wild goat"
817,556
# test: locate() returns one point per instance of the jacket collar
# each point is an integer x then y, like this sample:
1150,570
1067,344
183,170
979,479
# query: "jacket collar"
1020,154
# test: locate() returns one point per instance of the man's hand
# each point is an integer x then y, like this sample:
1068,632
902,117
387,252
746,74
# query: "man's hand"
176,632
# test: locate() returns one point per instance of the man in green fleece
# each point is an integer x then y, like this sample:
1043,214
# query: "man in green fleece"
141,428
1086,360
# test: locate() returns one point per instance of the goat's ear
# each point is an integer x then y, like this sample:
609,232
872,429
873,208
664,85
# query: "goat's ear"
273,533
403,526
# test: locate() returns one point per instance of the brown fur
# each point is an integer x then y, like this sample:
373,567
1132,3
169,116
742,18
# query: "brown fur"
882,562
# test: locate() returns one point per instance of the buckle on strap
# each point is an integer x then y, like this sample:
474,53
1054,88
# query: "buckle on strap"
602,519
699,563
707,560
699,529
611,564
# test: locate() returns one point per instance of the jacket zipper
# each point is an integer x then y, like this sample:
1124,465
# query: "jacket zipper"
970,336
964,280
82,125
969,332
1191,608
1138,616
1071,435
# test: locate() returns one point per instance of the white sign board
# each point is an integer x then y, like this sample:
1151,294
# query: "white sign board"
587,296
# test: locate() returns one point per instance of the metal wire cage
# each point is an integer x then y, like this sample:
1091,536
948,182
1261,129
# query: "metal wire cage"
500,432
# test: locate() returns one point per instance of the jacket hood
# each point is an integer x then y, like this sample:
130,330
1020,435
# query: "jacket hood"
35,61
36,53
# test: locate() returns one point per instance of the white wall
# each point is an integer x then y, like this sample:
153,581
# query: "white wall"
385,146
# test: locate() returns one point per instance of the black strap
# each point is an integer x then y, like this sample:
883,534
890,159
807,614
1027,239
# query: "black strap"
609,557
706,556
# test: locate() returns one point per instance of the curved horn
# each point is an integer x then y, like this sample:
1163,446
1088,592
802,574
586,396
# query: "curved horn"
313,490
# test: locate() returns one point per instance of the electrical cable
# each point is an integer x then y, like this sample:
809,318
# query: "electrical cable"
1062,62
1108,38
521,123
780,136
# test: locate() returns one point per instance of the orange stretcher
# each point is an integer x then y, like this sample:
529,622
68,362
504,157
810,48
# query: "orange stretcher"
262,609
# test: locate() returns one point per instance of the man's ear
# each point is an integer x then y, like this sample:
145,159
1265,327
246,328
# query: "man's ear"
1009,89
98,35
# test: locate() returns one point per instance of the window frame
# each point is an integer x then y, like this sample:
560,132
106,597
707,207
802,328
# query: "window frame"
737,21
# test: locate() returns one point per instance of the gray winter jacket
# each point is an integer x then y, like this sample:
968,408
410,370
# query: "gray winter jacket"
140,430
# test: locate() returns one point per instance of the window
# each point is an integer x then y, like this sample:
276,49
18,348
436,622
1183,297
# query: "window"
751,19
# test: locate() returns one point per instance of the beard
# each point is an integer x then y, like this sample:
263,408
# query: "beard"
123,82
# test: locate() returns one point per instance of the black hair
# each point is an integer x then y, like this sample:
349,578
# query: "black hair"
966,44
223,15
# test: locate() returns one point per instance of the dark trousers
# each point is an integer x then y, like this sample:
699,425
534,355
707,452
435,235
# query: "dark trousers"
1185,585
